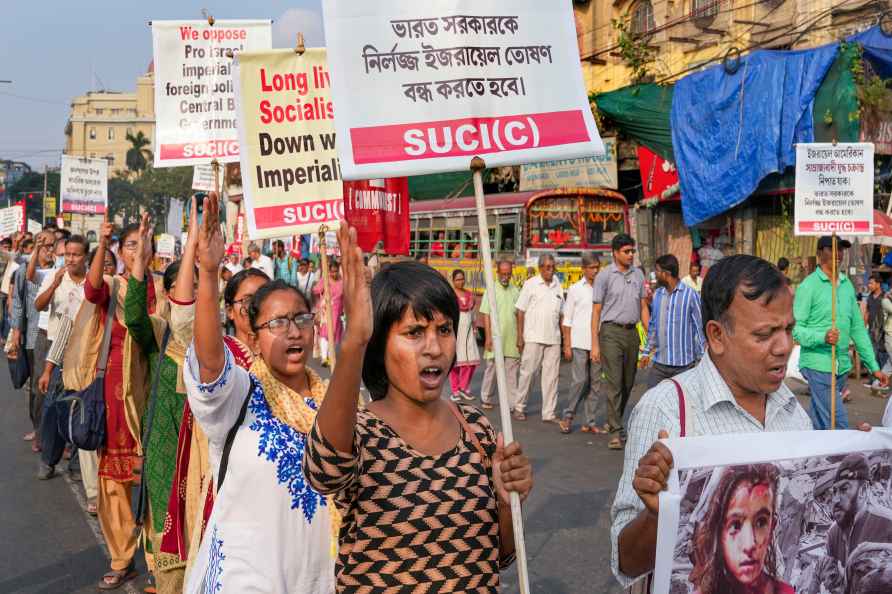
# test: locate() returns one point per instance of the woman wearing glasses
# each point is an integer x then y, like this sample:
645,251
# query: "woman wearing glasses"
269,530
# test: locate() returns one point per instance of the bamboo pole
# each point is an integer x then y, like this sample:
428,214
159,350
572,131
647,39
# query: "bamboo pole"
326,298
833,283
477,166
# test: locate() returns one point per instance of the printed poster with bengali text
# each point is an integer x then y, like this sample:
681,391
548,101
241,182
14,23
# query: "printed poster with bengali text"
450,80
84,185
290,171
195,118
834,188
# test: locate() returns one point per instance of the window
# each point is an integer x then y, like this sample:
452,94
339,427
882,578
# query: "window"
704,8
115,112
111,133
506,238
99,111
129,131
92,133
92,155
110,158
643,17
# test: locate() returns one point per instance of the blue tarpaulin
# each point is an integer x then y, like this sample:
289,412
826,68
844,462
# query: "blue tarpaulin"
730,130
877,49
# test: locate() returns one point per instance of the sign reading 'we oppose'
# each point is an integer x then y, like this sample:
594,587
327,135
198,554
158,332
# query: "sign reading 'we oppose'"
502,82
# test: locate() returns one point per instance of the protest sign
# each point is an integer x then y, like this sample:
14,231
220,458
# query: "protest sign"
379,209
11,220
166,246
203,178
834,189
49,206
34,226
194,104
84,185
502,81
290,172
598,171
771,506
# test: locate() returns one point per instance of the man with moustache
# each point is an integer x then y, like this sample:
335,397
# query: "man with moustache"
506,297
737,387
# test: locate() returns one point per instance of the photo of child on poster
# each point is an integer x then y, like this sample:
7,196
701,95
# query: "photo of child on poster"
808,526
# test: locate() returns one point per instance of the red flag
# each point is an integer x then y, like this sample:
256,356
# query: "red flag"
379,209
659,178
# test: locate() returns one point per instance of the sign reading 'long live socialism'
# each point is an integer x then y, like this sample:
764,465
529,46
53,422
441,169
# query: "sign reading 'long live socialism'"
84,185
501,81
290,171
194,100
834,189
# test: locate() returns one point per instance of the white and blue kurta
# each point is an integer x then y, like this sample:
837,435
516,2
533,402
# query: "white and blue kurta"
269,530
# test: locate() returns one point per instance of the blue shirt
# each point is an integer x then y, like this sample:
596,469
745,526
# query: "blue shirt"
285,269
675,334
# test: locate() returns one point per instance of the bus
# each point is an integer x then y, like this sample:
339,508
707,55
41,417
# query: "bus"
523,225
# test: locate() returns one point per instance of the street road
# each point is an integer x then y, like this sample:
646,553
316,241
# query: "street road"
50,546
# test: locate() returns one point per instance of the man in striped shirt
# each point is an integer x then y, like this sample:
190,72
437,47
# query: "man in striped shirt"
675,334
738,387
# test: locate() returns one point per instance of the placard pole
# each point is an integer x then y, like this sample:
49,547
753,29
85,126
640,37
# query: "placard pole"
833,282
477,166
326,284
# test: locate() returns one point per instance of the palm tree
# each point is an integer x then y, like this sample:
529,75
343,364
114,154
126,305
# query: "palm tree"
138,156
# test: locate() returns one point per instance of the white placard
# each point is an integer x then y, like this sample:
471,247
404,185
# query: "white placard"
11,220
787,480
84,185
450,80
834,188
166,246
194,103
599,171
203,178
34,226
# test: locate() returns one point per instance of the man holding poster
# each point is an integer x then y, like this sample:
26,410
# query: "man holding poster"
814,331
738,387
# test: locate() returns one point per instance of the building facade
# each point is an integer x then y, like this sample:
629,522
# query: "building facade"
681,35
100,121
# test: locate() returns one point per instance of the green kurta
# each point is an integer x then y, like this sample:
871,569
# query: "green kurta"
161,444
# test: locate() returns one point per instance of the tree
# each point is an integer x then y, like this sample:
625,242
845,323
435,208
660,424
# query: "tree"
138,155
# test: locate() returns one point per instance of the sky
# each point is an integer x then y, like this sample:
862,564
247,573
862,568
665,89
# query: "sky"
50,48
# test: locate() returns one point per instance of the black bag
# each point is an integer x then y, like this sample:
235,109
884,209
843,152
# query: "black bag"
85,425
19,369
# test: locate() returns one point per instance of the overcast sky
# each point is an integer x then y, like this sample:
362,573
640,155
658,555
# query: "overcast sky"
51,47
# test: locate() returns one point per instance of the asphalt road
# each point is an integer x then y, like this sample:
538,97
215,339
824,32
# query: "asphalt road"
49,545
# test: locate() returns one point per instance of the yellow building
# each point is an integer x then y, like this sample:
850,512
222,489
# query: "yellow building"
100,121
685,34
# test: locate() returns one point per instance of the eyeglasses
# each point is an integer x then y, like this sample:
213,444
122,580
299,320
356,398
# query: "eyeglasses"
130,245
244,301
279,326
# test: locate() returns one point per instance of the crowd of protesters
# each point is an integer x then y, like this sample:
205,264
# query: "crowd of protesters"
204,368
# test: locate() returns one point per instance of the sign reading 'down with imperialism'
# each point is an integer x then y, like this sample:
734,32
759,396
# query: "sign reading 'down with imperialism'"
451,80
194,100
290,171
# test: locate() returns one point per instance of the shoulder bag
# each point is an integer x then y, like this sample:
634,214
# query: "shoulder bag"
84,425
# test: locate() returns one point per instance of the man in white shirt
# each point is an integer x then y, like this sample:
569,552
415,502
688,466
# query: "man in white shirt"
693,279
261,261
577,333
306,279
59,297
539,339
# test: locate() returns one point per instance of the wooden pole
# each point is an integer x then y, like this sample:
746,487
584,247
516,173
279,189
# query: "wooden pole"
326,298
833,282
43,206
477,166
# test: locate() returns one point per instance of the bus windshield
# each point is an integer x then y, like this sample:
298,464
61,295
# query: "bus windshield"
554,222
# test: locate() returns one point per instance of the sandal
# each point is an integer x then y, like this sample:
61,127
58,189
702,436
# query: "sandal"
91,507
565,425
615,444
594,429
115,579
486,406
469,397
519,416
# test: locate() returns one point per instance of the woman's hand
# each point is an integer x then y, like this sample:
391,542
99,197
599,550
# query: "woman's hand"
192,238
357,292
511,471
144,239
211,248
105,232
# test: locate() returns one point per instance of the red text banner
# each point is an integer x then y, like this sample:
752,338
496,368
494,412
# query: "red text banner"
379,210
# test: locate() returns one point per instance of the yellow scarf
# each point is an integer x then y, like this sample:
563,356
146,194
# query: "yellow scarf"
289,407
